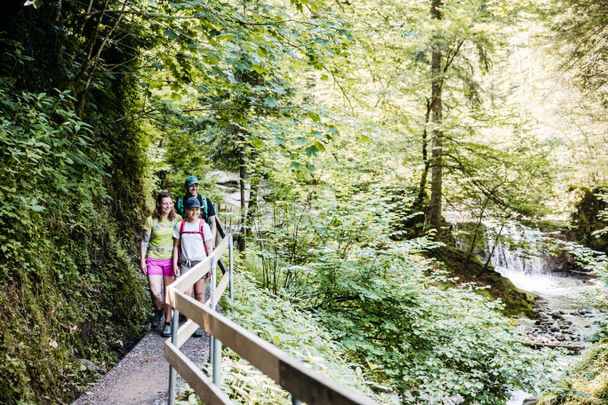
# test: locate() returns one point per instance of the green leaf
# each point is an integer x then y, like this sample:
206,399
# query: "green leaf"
271,102
257,68
36,208
313,116
311,151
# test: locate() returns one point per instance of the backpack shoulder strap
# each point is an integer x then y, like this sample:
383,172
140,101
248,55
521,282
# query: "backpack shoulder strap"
203,200
202,232
180,206
181,228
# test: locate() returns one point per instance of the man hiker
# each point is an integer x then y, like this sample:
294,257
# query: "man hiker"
207,209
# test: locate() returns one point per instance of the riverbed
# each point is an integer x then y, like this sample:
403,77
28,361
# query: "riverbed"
565,309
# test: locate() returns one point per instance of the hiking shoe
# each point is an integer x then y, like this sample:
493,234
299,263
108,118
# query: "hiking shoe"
158,314
167,330
198,333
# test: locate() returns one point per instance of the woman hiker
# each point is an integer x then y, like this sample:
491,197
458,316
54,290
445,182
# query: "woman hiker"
193,242
156,255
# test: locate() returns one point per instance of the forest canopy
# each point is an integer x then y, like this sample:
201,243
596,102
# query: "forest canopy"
359,131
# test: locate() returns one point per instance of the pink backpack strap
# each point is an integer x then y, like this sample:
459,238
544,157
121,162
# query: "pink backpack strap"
181,228
202,224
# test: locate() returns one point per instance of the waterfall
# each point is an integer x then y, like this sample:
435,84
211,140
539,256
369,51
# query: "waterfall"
518,249
521,255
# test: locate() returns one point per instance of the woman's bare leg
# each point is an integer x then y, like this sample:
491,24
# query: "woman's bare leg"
168,311
156,285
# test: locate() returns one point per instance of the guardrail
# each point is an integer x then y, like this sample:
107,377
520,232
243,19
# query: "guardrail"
303,383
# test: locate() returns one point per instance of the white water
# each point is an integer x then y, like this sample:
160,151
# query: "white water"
527,268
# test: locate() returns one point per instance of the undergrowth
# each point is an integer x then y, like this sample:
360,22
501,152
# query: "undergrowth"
298,333
68,290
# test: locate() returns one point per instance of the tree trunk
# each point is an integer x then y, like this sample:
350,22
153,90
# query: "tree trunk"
425,158
487,263
435,211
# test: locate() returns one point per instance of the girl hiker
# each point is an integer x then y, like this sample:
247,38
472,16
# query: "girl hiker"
156,252
193,243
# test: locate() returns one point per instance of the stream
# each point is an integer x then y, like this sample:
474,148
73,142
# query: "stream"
565,311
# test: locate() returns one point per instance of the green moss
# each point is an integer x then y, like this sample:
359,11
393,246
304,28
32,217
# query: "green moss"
68,285
62,309
587,218
471,270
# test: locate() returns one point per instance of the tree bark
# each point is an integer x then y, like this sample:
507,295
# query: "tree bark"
425,158
435,209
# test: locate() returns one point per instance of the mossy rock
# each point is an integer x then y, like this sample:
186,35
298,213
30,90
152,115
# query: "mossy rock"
586,219
471,270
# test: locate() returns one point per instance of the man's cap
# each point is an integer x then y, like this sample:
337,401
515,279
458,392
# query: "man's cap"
190,180
192,202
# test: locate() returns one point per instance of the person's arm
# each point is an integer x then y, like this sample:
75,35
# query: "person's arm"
145,241
212,218
210,245
175,257
213,226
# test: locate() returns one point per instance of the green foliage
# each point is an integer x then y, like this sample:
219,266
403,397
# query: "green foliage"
70,166
380,299
278,321
321,107
66,294
585,384
432,342
588,220
580,25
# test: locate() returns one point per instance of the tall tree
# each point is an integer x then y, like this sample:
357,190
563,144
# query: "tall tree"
437,120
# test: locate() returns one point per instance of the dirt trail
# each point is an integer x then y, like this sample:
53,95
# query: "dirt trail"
142,376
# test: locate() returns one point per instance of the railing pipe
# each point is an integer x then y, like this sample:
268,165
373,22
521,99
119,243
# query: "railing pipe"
230,268
217,362
172,372
216,345
211,297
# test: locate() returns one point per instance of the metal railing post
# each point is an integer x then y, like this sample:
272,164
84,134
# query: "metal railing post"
172,371
211,296
230,268
217,362
216,345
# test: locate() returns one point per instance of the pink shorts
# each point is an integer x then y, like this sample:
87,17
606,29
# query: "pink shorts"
160,267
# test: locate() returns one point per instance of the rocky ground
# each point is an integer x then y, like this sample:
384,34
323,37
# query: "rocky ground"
560,328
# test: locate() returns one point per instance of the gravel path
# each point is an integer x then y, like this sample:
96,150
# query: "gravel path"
142,376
